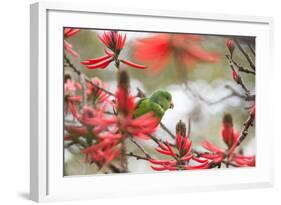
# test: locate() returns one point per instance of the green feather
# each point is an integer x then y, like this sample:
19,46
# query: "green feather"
158,103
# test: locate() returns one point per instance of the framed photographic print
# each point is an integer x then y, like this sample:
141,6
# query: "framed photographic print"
128,102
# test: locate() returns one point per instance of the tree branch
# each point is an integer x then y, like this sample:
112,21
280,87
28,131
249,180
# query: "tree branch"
239,80
138,157
240,67
140,148
251,48
244,133
233,93
252,65
249,122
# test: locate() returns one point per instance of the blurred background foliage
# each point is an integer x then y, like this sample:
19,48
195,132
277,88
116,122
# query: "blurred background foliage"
206,79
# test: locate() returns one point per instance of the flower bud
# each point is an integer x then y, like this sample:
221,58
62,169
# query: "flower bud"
229,135
181,128
253,111
123,79
236,77
67,77
227,119
230,44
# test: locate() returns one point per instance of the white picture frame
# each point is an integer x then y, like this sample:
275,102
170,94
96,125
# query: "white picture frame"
46,178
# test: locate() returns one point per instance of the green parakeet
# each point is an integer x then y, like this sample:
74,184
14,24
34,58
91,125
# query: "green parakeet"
157,103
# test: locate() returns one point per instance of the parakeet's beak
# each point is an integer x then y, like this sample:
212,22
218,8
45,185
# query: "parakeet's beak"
172,105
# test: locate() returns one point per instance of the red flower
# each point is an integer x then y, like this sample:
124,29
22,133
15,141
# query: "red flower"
97,95
124,122
121,125
101,62
244,161
115,42
102,153
105,148
70,87
69,32
70,96
155,51
230,137
181,156
141,127
217,154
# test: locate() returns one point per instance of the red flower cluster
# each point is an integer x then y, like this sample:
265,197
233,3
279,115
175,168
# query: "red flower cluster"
230,137
108,130
70,95
95,93
217,156
155,51
121,125
181,156
102,153
102,148
70,89
69,32
115,42
124,122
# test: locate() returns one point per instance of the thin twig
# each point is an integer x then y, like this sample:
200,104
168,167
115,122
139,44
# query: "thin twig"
249,122
140,148
167,130
131,154
76,141
157,141
244,133
251,49
160,141
84,88
189,127
229,163
69,144
233,93
240,67
239,80
248,97
115,169
252,65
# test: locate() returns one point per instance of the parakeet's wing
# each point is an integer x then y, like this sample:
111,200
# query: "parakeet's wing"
146,105
157,109
142,107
